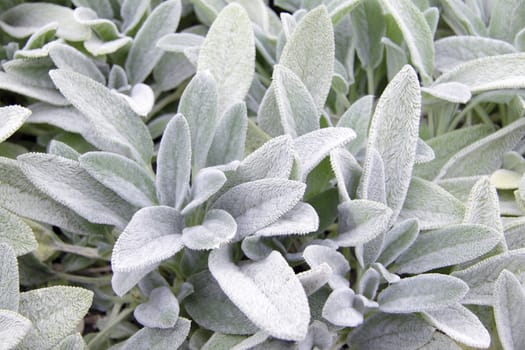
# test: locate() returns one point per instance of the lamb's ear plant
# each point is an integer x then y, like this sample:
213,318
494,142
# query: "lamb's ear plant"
202,174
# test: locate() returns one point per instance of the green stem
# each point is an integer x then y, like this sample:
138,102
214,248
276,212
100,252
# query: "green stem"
431,125
370,81
459,117
104,332
77,250
167,100
97,281
484,116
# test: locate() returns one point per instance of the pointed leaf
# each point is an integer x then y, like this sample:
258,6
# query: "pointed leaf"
357,117
144,54
360,221
16,233
460,324
451,92
488,73
63,150
55,312
451,245
297,108
339,309
160,311
386,332
12,118
394,134
483,156
316,255
509,310
313,279
309,53
66,57
505,19
109,114
397,240
152,235
67,183
425,292
159,339
207,297
207,182
313,147
122,282
267,292
417,34
268,114
257,204
8,278
66,118
230,136
483,205
482,276
431,205
174,163
228,52
13,328
372,185
198,104
20,196
120,174
347,172
217,229
12,83
301,219
368,32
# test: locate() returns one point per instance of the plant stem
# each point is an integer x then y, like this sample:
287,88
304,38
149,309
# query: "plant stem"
97,281
77,250
370,81
167,100
113,322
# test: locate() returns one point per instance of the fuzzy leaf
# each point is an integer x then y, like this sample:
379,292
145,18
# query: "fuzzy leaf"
257,204
387,332
372,184
207,297
20,196
230,136
394,134
347,172
460,324
8,278
25,19
152,235
228,52
13,328
313,279
483,156
360,221
72,342
426,292
357,117
488,73
368,32
431,205
483,205
66,57
144,54
509,310
55,312
159,339
397,240
66,118
504,179
417,34
160,311
120,174
174,163
198,104
268,114
141,99
339,309
267,292
118,128
309,53
301,219
424,153
63,150
297,108
451,92
12,83
452,51
16,233
12,118
447,145
317,255
217,229
66,182
313,147
451,245
481,277
207,182
122,282
506,19
273,159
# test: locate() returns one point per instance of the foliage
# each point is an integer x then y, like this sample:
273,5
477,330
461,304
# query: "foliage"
226,174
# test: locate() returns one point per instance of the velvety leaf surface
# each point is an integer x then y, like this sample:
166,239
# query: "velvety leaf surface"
152,235
16,233
339,310
159,339
12,118
160,311
13,328
509,310
207,182
9,288
217,229
301,219
267,292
